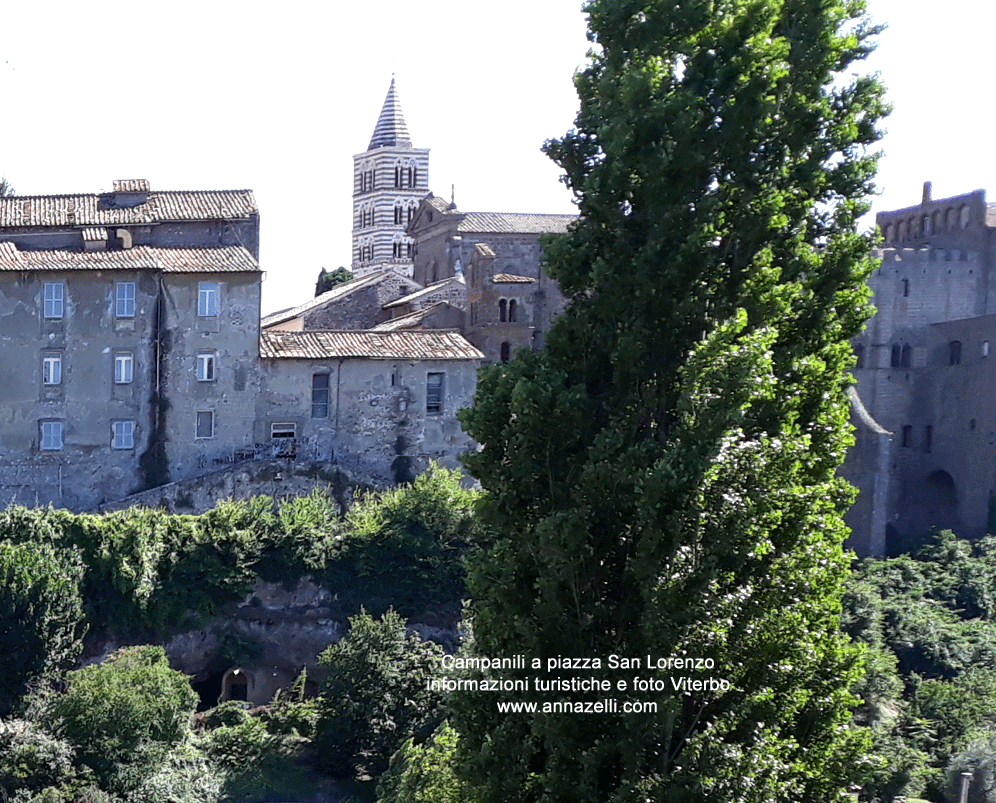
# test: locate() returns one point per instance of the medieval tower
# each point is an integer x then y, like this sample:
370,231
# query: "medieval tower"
389,179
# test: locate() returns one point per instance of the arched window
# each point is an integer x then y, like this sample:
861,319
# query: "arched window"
512,311
859,353
397,215
902,231
397,175
925,225
906,287
964,216
954,352
914,225
938,221
985,348
906,356
952,217
889,233
502,310
505,350
896,354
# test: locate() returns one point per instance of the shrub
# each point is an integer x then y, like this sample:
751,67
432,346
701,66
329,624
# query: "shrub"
41,614
123,716
426,773
375,696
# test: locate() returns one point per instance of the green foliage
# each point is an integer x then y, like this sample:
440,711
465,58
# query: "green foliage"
41,615
6,188
426,773
375,696
978,758
661,478
258,765
185,776
327,279
929,623
32,760
227,714
412,539
122,716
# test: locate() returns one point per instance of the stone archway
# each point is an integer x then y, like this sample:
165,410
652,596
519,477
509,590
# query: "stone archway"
235,685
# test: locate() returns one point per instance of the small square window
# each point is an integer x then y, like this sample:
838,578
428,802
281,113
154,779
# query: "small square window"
124,299
52,369
205,424
122,434
55,296
283,430
207,299
206,364
434,393
51,436
124,365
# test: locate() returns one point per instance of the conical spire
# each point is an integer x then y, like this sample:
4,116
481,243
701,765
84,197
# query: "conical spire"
390,130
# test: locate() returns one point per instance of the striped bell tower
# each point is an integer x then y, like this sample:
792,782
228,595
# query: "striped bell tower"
389,179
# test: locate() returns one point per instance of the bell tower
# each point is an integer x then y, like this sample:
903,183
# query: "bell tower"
389,180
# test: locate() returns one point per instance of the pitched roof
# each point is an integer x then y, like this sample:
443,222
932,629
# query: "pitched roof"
432,344
390,131
338,292
514,223
20,211
426,291
511,278
411,320
230,259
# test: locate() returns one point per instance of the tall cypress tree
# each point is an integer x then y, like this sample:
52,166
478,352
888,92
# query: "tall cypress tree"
662,477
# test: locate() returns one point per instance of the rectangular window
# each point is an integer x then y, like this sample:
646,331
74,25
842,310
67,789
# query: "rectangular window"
123,368
434,393
52,369
205,424
55,296
122,434
124,299
206,366
283,430
51,436
207,299
320,396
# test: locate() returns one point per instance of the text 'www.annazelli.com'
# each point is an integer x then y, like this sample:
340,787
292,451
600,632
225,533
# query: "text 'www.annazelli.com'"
606,706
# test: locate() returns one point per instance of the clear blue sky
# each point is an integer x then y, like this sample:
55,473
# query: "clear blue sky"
277,97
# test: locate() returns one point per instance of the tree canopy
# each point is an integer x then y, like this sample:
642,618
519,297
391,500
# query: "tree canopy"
661,477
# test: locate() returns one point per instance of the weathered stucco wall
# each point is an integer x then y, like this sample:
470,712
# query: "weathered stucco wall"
378,424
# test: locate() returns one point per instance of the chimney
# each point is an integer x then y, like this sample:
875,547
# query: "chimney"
130,192
926,193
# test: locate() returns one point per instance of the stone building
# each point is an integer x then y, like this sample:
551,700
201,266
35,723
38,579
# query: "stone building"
924,453
130,322
389,179
510,299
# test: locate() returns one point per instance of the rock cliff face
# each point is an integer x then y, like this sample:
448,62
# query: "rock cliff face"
262,643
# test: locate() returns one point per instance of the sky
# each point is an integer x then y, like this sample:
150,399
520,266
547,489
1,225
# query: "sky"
278,97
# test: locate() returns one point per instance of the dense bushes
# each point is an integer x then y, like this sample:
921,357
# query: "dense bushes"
145,572
41,615
929,696
376,695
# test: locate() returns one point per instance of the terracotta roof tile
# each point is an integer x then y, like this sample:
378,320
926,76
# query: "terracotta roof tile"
230,259
411,320
426,291
338,292
436,344
514,223
20,211
511,278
